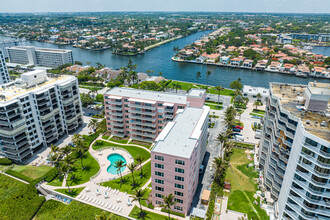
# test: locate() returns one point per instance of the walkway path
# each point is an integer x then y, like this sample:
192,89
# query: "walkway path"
14,177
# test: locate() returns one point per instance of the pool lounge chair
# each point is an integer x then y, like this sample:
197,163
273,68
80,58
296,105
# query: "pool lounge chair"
114,207
109,207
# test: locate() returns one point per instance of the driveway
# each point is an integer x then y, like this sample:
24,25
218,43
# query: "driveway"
212,150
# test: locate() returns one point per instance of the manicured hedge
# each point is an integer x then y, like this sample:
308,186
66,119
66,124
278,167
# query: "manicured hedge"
19,176
18,201
5,161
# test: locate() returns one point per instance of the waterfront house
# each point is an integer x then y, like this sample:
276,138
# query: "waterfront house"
261,64
184,54
211,58
224,60
289,68
319,71
248,63
201,58
274,66
231,48
252,92
236,61
303,70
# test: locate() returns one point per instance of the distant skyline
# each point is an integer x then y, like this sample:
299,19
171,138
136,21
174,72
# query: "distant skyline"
270,6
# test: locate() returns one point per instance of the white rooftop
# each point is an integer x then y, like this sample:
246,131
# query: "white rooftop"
250,90
149,95
41,49
179,137
196,92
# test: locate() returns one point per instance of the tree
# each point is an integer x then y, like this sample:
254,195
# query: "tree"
66,150
259,96
67,167
140,159
327,61
132,168
92,124
80,147
139,196
176,86
93,91
168,202
102,216
256,104
219,89
236,85
86,99
198,76
120,164
208,73
239,100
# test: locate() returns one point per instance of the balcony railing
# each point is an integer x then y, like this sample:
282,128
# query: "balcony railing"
142,106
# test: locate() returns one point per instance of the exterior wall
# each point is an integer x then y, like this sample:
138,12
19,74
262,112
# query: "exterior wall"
17,56
11,43
4,75
291,166
138,121
37,119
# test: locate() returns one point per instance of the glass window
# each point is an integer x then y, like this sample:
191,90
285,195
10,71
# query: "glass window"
178,193
159,181
179,170
180,178
178,200
178,186
159,195
311,142
160,166
159,188
181,162
159,173
178,208
161,158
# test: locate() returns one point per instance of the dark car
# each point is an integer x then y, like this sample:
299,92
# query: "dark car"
236,129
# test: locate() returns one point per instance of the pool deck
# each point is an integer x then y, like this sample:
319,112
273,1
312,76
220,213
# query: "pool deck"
101,157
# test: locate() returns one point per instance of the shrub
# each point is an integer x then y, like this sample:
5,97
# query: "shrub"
5,161
19,176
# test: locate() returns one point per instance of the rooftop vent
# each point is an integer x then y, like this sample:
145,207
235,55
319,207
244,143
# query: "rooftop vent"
308,122
323,124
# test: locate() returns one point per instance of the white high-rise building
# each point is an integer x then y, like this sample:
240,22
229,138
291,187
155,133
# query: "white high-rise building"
4,75
11,43
295,150
39,56
35,111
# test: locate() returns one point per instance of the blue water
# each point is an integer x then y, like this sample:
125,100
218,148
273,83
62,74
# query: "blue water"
113,158
159,60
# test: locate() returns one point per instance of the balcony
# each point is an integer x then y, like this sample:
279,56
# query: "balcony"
116,119
142,112
117,129
143,134
144,123
168,109
169,115
117,108
117,124
72,126
117,113
46,116
141,139
12,131
118,134
51,139
142,106
143,128
67,100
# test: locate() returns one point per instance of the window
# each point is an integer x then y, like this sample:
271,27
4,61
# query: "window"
159,195
181,162
160,166
180,178
179,170
321,170
159,173
178,193
160,116
307,152
160,104
161,158
179,208
178,186
147,104
159,202
311,142
160,122
180,107
159,181
178,200
159,188
323,160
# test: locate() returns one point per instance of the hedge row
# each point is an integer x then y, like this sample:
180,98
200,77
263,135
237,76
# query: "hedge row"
174,213
19,176
5,161
49,176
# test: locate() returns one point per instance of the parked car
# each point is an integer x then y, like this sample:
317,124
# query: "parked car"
238,138
237,134
237,126
207,98
236,129
257,117
201,168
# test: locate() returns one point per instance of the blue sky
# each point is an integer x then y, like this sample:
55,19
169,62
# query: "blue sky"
296,6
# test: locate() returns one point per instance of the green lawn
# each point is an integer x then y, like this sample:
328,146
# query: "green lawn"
135,213
32,171
227,92
18,201
146,195
105,137
83,176
55,210
142,144
56,182
126,186
214,106
243,186
258,111
134,151
74,191
244,145
118,140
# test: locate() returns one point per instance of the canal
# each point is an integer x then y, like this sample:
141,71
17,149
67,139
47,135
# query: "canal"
159,60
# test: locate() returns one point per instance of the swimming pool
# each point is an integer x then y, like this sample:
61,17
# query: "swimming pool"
113,158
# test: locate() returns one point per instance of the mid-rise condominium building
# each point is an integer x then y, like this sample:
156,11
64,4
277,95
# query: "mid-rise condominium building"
11,43
47,57
4,75
295,150
177,156
35,111
142,114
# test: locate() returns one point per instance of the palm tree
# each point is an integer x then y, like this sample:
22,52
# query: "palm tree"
256,104
132,168
80,146
54,149
222,138
259,96
239,100
198,76
168,202
139,196
120,164
219,89
140,159
67,167
92,124
66,150
93,91
176,86
208,73
102,216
